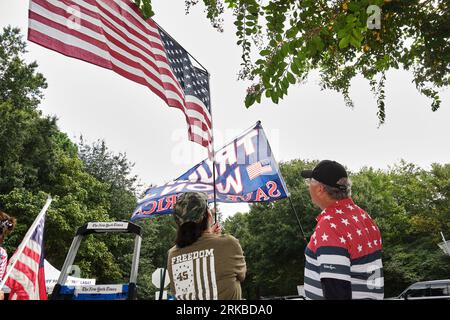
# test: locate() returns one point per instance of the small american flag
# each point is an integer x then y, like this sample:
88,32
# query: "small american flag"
258,168
112,34
27,279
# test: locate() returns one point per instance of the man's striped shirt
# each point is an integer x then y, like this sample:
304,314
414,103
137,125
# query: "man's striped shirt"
346,245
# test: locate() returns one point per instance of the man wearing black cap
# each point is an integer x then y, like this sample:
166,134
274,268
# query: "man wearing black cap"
343,256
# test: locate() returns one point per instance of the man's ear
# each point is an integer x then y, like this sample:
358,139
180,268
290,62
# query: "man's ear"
321,190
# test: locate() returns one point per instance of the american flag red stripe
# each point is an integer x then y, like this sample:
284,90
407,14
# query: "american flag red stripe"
112,34
27,279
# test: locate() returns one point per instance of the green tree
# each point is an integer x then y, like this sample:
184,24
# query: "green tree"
159,236
113,170
283,41
37,159
20,83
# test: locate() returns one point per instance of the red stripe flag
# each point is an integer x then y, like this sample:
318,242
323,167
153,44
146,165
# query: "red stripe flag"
25,275
112,34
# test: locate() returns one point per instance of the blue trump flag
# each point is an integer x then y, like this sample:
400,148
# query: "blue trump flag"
246,171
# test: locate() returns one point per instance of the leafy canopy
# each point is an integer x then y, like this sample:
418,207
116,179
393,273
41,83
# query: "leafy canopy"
283,41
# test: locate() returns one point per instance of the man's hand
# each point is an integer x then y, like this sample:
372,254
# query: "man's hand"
2,295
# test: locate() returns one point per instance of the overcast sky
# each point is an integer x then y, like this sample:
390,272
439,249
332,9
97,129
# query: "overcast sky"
309,124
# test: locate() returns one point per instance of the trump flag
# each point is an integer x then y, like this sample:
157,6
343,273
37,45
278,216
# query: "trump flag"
246,171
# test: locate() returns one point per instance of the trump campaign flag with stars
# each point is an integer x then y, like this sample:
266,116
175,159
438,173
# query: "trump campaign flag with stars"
25,274
112,34
246,171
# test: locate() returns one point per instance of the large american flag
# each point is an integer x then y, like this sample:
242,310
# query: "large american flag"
27,279
112,34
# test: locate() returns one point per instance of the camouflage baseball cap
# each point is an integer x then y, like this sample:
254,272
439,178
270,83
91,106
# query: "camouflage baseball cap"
190,207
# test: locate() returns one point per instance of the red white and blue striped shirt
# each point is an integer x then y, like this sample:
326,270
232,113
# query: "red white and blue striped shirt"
346,245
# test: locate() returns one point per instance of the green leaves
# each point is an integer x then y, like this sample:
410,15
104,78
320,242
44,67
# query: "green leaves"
250,100
344,42
331,36
265,52
291,78
350,32
20,83
146,8
292,32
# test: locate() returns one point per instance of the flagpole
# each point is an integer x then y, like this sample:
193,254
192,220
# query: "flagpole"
214,186
284,185
298,219
27,237
212,127
163,279
213,150
241,134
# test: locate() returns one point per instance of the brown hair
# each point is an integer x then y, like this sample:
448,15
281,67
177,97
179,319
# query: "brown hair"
5,231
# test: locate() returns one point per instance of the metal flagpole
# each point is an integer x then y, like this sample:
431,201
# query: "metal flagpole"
298,219
163,280
284,185
214,186
27,237
213,151
212,127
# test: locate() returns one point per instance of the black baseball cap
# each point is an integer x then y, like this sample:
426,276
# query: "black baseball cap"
327,172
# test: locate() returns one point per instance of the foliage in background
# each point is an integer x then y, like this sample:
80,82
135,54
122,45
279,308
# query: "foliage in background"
88,182
282,41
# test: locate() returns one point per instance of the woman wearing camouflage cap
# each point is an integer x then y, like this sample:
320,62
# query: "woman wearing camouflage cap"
203,264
